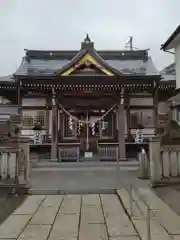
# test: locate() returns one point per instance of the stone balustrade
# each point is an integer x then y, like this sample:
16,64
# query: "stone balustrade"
164,163
14,161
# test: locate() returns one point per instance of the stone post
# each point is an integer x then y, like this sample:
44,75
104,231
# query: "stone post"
54,140
155,164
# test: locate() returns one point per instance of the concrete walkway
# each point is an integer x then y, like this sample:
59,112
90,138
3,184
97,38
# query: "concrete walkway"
89,217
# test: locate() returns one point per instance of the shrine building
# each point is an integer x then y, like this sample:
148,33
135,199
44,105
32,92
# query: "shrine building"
87,104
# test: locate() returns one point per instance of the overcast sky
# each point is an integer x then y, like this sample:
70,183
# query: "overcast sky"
62,24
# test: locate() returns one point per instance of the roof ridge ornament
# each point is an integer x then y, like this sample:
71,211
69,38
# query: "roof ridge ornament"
87,43
87,40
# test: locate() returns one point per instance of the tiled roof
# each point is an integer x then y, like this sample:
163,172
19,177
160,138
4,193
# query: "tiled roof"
49,62
8,78
170,69
169,72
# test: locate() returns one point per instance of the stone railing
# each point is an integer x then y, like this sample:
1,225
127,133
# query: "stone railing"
14,162
164,163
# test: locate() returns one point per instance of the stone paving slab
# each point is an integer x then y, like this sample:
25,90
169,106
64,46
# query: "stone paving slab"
91,200
125,238
91,209
166,220
35,232
71,204
92,215
93,232
169,220
162,212
176,237
124,196
118,223
111,200
30,205
13,226
47,211
65,227
157,232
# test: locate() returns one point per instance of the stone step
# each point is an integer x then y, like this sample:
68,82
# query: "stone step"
49,164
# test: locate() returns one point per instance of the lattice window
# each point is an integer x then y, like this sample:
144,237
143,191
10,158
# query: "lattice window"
39,120
28,121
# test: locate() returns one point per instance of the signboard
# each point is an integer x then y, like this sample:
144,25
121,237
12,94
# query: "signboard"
37,138
139,137
88,154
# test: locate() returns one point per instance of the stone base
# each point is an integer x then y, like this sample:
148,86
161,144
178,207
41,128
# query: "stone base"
54,160
122,159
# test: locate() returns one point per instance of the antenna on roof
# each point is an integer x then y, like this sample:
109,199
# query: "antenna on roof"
129,44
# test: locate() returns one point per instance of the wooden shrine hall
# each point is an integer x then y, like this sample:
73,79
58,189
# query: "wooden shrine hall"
87,104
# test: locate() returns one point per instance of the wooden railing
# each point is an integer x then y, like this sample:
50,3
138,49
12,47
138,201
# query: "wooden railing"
108,152
69,153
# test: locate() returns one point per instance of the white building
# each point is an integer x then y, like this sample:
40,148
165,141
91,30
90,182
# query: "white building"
173,43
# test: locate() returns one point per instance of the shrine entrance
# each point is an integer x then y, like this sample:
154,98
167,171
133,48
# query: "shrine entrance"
89,133
88,126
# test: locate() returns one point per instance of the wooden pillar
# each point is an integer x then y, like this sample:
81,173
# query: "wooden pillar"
54,139
18,135
128,119
19,99
47,114
155,101
121,130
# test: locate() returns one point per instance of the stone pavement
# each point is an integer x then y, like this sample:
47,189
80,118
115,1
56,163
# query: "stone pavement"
93,216
164,223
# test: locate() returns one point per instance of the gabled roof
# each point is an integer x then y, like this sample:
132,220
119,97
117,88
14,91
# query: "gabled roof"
38,62
169,42
88,54
169,72
170,69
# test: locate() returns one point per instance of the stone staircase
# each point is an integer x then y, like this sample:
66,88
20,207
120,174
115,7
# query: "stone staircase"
124,165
